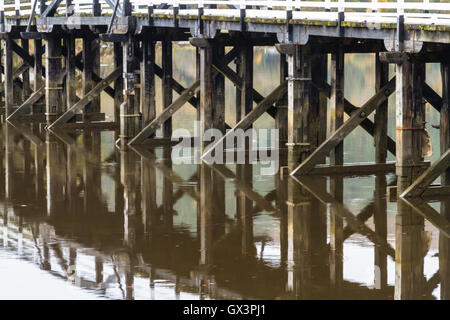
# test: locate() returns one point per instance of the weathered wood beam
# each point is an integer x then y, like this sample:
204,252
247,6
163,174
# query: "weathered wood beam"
417,188
353,168
166,114
53,79
337,136
256,112
337,103
82,103
410,120
35,96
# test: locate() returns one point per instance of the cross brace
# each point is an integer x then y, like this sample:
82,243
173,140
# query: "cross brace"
354,120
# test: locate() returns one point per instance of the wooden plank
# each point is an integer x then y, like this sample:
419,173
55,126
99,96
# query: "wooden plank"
246,122
354,120
418,187
150,129
35,96
87,98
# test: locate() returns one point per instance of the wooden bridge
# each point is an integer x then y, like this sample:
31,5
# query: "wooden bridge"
407,34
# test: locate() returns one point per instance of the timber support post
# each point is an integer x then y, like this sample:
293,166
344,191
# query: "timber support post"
8,75
206,86
53,78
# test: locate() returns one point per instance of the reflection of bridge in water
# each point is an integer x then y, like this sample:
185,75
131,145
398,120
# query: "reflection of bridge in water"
117,222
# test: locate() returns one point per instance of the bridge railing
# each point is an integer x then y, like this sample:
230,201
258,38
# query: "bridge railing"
438,10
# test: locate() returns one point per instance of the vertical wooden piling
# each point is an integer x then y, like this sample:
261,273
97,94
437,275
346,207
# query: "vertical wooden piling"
381,115
219,91
118,83
410,120
8,75
444,241
246,67
129,110
71,94
26,89
38,81
281,115
53,77
167,95
91,65
148,104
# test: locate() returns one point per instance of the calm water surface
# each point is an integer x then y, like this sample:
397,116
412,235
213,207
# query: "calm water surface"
81,219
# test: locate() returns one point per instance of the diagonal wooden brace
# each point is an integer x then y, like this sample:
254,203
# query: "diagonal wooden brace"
336,137
166,114
418,187
253,115
87,98
28,103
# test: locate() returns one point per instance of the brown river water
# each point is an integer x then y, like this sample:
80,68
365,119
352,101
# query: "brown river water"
81,219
